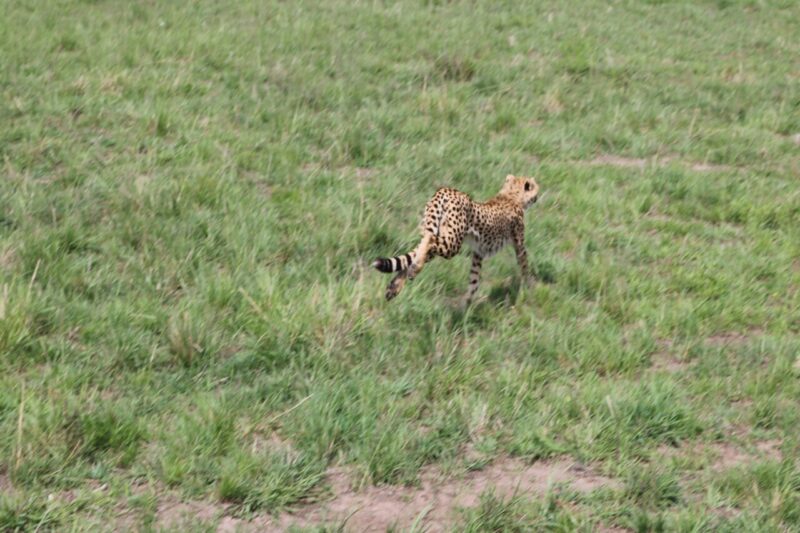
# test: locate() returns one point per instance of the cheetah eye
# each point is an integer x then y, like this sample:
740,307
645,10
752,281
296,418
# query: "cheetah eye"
527,185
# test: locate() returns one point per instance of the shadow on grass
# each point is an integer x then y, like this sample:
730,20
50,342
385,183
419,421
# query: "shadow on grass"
505,293
481,313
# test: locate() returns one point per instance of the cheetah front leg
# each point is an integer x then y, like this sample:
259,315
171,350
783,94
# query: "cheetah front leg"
522,253
474,277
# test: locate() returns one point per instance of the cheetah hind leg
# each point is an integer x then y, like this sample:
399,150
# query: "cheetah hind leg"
396,285
420,254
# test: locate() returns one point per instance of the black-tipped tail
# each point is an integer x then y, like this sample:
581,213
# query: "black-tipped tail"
383,264
392,264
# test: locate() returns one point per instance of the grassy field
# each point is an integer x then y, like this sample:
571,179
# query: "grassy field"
192,192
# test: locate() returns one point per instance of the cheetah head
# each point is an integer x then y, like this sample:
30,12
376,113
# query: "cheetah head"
524,190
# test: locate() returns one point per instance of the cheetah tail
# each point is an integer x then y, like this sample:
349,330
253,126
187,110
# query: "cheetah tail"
393,264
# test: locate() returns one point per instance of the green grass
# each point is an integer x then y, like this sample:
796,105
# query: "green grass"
191,194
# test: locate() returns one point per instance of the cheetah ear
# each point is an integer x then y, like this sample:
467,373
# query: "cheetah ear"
509,178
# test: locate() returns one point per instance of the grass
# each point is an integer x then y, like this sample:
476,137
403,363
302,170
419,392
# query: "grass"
192,193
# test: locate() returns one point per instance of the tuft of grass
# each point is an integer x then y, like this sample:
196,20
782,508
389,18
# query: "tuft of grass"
189,341
496,514
20,514
15,318
775,484
106,429
577,56
650,412
454,68
653,488
269,482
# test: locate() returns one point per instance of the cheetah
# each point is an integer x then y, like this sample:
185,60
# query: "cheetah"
452,218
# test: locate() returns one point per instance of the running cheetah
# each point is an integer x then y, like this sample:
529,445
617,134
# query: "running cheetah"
452,217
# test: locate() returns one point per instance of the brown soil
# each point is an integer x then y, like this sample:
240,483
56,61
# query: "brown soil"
640,163
770,449
664,360
725,339
617,161
708,167
727,455
8,258
730,456
360,173
6,487
172,513
433,505
732,338
363,173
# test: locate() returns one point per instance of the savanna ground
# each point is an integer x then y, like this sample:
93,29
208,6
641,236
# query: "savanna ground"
190,334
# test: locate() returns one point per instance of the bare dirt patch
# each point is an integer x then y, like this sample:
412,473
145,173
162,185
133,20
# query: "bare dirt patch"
264,189
732,338
360,173
8,258
770,449
618,161
726,455
310,167
273,443
6,487
172,513
260,184
657,161
729,455
552,102
664,360
363,173
432,505
708,167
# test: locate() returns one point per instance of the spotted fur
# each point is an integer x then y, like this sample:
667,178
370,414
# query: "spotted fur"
453,218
